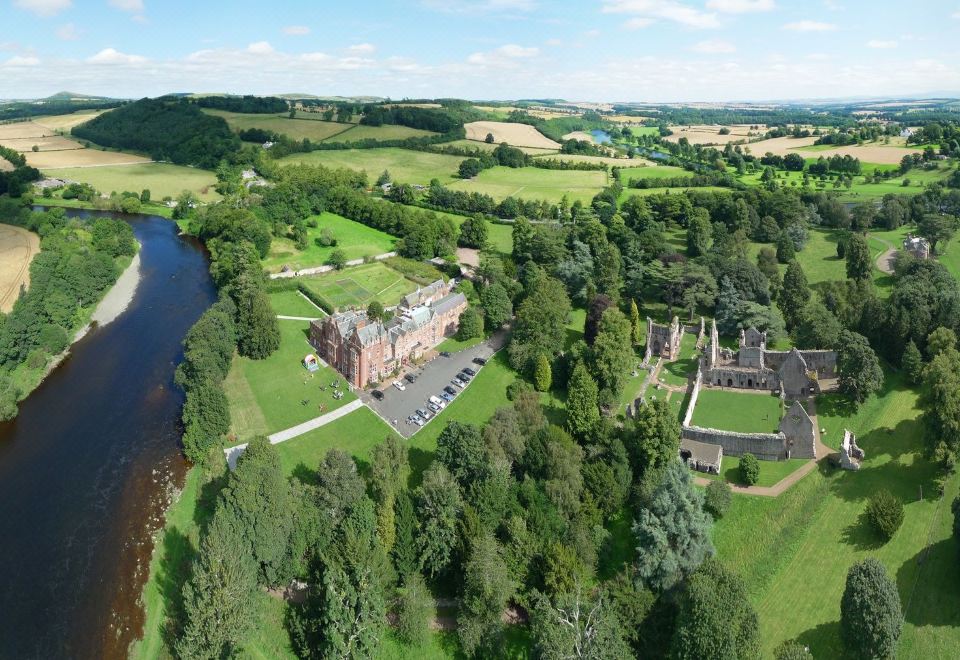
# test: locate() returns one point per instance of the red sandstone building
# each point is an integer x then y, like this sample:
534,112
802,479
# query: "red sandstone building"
368,351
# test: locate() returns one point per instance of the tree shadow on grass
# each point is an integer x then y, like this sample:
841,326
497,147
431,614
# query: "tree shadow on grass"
176,555
933,598
420,460
305,474
207,501
823,640
861,535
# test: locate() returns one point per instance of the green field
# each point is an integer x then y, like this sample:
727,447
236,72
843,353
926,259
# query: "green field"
737,411
358,286
162,179
535,183
473,144
296,129
386,132
356,241
404,165
795,570
771,472
268,395
628,174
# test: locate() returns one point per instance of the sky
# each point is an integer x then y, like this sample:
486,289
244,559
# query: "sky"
584,50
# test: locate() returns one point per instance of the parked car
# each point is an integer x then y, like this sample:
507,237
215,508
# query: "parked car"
418,421
399,385
434,407
423,413
449,390
447,397
459,383
444,353
377,394
479,360
466,378
468,370
436,400
411,378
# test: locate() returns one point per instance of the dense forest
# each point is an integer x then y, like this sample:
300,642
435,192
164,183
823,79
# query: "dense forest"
250,104
166,129
15,182
440,120
18,110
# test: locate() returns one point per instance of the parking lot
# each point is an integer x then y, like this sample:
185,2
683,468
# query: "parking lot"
432,377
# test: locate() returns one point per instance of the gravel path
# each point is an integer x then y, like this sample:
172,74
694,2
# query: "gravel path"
885,259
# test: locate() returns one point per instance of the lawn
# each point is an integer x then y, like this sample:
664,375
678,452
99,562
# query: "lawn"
795,569
737,411
676,373
535,183
162,179
771,472
404,165
293,303
354,239
357,286
268,395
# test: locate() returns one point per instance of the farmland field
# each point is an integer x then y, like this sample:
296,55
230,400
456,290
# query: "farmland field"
356,241
711,134
162,179
628,174
81,158
518,135
17,249
485,146
404,165
68,121
296,129
385,132
608,160
535,183
737,411
868,153
5,165
359,285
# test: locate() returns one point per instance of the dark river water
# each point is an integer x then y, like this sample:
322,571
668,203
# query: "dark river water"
85,466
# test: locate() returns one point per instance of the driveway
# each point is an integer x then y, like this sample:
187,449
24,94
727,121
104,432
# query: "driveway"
432,377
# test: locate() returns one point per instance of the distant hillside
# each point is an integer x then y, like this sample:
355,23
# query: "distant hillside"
167,129
72,96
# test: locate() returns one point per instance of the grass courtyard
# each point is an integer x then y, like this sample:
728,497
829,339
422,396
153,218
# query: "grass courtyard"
742,412
676,373
270,395
354,239
294,303
358,286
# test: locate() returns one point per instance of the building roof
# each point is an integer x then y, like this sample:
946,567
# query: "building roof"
448,302
702,452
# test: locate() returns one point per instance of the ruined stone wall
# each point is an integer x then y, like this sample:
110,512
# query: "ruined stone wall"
694,393
765,446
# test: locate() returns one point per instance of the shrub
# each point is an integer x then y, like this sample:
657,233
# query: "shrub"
337,259
885,513
749,469
718,498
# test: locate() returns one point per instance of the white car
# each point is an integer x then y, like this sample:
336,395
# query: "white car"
437,401
399,385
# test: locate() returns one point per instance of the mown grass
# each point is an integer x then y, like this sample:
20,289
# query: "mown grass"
293,303
676,373
354,239
737,411
276,393
404,165
358,286
771,472
535,183
162,179
628,174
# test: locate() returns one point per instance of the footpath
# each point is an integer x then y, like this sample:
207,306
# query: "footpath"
233,453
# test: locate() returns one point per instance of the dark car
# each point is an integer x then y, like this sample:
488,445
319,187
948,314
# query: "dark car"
449,390
469,371
464,377
410,378
479,360
377,394
444,353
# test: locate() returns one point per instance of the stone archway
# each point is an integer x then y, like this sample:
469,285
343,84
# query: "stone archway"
749,382
729,382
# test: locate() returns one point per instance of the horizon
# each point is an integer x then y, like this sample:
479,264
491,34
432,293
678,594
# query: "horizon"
629,51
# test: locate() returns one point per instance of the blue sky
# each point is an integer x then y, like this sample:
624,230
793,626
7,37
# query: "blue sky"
610,50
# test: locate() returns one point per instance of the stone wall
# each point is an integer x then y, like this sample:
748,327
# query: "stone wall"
765,446
694,393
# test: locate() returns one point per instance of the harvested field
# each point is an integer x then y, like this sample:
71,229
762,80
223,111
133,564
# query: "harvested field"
473,144
81,158
162,179
23,129
579,135
519,135
5,166
17,249
48,143
711,134
66,122
869,153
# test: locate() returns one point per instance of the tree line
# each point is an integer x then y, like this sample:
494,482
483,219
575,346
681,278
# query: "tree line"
264,105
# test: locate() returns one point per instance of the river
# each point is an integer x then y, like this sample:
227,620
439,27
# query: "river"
85,466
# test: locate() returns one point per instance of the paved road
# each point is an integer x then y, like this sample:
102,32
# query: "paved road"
885,259
432,377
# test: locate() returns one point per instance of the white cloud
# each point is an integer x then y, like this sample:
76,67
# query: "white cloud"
127,5
113,56
553,42
956,15
880,43
362,49
480,6
44,7
714,46
809,26
740,6
68,32
638,23
817,57
503,56
22,60
296,30
260,48
668,10
591,34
